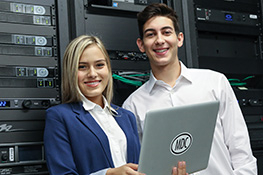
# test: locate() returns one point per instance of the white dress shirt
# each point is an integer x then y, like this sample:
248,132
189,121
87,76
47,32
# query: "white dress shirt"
231,152
116,137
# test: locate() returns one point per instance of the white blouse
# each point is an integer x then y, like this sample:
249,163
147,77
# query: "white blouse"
116,137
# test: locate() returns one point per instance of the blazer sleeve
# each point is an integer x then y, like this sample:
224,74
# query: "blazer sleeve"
57,145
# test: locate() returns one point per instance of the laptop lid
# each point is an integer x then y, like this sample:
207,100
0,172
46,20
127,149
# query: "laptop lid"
182,133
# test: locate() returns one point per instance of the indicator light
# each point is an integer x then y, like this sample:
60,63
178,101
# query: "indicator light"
228,17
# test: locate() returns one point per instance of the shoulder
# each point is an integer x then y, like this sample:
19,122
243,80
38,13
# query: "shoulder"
210,79
66,106
137,95
60,106
61,109
206,74
205,71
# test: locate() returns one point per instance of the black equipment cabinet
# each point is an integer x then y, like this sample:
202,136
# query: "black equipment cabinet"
31,44
226,36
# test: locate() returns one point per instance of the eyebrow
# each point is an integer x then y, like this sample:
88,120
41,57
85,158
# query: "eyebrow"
100,60
104,60
163,28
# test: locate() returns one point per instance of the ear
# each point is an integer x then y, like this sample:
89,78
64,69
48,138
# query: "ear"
140,45
180,38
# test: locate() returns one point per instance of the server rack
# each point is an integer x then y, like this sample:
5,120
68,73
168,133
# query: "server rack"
226,36
30,50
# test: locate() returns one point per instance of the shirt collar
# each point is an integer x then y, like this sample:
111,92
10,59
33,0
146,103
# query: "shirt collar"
183,75
185,72
89,105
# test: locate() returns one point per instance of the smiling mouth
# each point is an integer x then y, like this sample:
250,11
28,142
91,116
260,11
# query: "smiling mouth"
161,51
93,83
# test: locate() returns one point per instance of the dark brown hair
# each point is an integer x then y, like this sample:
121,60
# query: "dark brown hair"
157,9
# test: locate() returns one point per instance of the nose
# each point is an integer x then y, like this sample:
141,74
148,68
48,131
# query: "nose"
92,73
159,39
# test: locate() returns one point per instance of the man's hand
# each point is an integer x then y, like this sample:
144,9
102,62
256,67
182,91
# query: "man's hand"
180,169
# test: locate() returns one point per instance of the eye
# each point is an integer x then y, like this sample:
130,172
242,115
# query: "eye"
149,34
100,65
168,32
81,67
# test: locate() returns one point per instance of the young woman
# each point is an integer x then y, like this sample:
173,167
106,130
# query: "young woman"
87,134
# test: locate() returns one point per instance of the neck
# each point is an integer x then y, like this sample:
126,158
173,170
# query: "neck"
97,100
168,73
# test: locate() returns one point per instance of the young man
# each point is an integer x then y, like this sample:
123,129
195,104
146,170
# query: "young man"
172,84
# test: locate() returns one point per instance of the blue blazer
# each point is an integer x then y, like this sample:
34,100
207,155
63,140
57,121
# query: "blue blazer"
75,143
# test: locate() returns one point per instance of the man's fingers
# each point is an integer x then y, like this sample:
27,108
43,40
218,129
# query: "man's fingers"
181,168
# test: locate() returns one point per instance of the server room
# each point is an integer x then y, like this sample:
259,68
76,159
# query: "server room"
134,59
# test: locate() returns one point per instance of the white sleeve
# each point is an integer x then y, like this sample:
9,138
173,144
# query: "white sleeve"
236,133
101,172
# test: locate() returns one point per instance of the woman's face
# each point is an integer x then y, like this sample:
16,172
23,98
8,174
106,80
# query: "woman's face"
93,74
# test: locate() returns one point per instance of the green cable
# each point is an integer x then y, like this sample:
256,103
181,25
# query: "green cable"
238,84
248,78
234,79
138,75
125,80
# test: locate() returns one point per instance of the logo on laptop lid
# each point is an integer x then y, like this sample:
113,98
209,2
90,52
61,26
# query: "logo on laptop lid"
181,143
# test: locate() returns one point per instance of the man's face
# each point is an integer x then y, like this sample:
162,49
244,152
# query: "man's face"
160,41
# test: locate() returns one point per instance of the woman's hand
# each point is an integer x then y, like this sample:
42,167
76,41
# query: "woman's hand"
127,169
180,169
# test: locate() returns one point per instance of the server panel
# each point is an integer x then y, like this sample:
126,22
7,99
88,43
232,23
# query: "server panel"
29,81
226,36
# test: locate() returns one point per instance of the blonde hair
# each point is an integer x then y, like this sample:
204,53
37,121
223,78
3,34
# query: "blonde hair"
70,89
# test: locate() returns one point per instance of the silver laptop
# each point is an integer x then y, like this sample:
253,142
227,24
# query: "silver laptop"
183,133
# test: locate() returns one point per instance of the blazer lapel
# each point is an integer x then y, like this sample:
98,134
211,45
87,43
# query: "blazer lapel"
86,119
124,124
